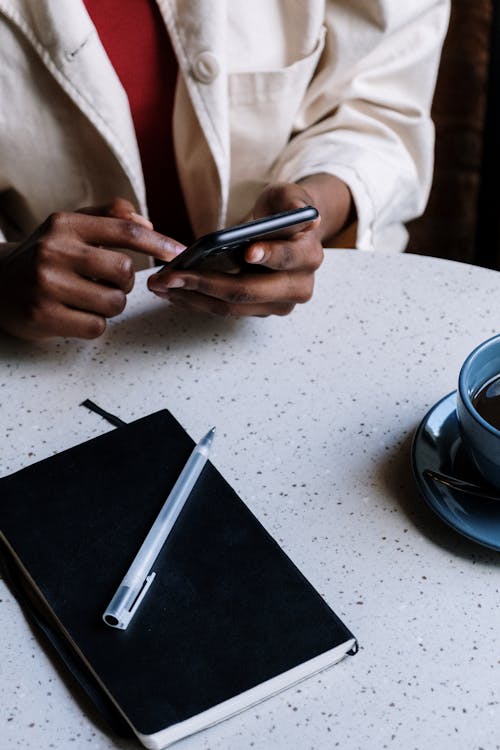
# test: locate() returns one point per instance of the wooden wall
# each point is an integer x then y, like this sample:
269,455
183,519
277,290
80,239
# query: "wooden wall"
449,226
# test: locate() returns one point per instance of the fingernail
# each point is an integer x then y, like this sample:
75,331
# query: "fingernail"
159,286
127,265
155,285
256,254
175,283
162,295
141,220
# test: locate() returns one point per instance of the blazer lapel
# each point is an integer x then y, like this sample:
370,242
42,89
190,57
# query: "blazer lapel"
66,41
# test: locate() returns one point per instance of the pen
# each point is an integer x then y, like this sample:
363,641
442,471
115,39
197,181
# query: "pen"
138,578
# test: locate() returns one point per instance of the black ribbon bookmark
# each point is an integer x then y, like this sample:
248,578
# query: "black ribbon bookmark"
111,418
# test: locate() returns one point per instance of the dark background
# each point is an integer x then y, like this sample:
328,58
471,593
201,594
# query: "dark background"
462,219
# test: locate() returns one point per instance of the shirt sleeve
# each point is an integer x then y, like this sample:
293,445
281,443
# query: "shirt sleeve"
366,114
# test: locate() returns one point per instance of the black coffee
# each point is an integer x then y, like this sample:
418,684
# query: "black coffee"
487,401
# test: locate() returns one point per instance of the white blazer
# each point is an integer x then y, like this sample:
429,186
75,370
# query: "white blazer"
269,90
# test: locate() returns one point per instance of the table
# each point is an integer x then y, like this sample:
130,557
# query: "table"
315,413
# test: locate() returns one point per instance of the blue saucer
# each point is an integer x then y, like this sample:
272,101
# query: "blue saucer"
437,446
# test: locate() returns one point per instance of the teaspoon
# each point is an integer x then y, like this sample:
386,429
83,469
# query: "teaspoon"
461,485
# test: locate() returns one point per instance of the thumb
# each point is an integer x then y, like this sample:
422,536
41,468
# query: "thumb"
281,196
284,196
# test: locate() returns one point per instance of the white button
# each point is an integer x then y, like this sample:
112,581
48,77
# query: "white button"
206,67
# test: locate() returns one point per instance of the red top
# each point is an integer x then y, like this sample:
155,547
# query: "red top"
134,36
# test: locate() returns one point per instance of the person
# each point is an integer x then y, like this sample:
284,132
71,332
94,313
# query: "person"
130,127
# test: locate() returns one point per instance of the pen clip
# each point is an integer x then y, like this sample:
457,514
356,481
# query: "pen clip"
123,605
140,596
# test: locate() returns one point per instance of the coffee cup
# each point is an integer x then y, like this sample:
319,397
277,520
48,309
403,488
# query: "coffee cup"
478,408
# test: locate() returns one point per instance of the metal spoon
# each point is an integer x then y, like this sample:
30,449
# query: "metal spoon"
461,485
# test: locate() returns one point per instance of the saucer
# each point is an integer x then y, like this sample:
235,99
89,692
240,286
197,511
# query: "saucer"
437,446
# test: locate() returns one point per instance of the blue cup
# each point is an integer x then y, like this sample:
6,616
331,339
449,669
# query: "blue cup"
481,439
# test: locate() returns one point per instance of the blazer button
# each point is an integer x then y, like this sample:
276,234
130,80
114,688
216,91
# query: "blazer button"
206,67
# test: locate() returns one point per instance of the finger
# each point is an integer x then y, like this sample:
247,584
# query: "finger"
201,303
55,319
238,289
87,295
118,233
105,265
301,253
119,208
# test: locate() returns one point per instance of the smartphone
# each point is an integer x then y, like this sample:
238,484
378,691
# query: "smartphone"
224,250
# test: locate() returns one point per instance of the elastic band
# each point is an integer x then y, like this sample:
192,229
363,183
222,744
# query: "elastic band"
112,418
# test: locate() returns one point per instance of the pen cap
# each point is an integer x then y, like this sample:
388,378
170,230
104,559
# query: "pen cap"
125,603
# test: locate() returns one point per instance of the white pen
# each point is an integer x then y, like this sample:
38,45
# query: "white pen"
138,578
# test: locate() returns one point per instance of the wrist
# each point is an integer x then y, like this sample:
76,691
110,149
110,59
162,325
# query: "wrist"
333,199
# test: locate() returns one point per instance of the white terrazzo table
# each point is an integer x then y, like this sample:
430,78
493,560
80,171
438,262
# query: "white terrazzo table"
315,414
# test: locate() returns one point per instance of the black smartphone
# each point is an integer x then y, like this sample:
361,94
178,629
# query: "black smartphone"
224,250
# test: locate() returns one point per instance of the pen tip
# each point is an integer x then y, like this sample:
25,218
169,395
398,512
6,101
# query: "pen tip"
209,437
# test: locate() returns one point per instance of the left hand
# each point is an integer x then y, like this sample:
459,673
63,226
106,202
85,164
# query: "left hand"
293,262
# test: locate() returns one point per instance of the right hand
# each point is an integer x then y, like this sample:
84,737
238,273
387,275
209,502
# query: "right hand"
70,275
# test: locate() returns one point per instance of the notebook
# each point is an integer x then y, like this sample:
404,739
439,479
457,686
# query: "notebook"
228,621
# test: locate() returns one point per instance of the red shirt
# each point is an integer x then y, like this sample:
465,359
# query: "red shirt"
134,36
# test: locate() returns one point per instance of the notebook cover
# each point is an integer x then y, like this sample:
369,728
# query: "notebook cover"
227,610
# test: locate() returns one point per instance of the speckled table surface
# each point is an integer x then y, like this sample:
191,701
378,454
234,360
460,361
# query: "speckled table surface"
315,414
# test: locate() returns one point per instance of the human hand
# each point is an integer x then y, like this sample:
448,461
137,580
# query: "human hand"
292,262
70,275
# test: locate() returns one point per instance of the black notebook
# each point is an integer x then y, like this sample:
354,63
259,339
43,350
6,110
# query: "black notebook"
228,620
